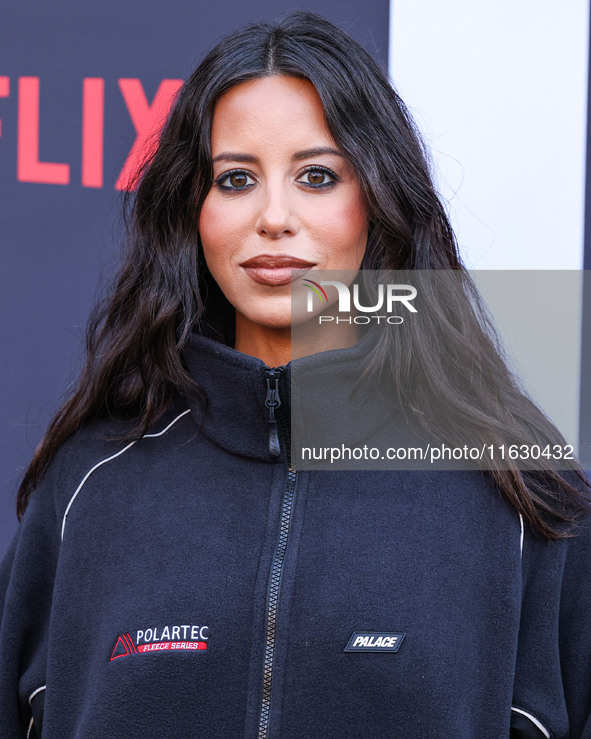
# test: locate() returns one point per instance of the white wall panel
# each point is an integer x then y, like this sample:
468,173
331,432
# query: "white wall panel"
499,90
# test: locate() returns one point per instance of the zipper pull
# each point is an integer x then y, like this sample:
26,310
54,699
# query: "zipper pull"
273,401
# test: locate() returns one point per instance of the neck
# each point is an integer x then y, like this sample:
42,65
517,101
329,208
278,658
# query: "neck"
278,346
271,345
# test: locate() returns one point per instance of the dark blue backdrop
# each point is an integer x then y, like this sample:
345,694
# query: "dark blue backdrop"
57,239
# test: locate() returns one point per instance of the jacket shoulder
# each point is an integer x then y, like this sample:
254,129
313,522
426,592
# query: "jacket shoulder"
94,445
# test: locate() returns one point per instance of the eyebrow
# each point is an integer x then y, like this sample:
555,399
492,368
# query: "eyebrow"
231,156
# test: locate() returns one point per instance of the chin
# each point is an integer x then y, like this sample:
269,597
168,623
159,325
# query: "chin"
278,324
269,319
274,312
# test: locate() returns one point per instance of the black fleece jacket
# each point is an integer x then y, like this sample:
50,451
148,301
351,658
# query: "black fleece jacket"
191,584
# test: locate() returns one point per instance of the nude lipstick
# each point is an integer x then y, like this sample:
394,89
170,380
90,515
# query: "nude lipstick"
276,269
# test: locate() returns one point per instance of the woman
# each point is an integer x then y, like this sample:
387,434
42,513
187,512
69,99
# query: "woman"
173,573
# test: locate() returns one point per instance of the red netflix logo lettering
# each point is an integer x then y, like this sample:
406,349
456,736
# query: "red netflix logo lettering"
147,118
4,92
28,166
93,127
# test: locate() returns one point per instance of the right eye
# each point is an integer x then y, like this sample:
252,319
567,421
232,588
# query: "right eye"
237,179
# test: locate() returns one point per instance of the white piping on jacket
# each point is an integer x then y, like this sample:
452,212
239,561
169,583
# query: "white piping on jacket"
32,721
34,693
534,721
522,533
109,459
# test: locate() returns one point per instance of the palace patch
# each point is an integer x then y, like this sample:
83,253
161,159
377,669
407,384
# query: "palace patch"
374,641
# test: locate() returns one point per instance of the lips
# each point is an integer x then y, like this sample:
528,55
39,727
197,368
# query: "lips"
276,269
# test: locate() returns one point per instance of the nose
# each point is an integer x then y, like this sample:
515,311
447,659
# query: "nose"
276,217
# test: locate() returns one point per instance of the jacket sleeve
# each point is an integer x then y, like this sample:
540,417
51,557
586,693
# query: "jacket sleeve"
26,586
552,688
575,632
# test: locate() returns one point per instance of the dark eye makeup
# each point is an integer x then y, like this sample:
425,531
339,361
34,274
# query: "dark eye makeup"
234,180
318,177
314,177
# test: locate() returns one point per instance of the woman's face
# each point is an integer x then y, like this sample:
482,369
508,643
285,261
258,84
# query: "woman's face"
283,197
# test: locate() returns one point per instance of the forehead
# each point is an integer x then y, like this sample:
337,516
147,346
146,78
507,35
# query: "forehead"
269,114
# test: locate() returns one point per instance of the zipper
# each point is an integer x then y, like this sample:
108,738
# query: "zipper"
273,403
274,378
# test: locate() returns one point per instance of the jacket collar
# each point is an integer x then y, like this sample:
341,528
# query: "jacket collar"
230,405
322,394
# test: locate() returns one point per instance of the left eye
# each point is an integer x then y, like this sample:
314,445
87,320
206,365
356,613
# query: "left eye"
318,178
234,181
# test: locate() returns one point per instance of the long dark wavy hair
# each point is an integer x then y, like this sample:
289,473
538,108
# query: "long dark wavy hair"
135,336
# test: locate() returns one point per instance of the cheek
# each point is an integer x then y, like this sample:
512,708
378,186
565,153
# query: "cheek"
217,231
354,213
346,229
222,227
220,231
210,225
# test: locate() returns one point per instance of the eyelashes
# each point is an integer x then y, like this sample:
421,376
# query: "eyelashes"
234,180
314,177
322,177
